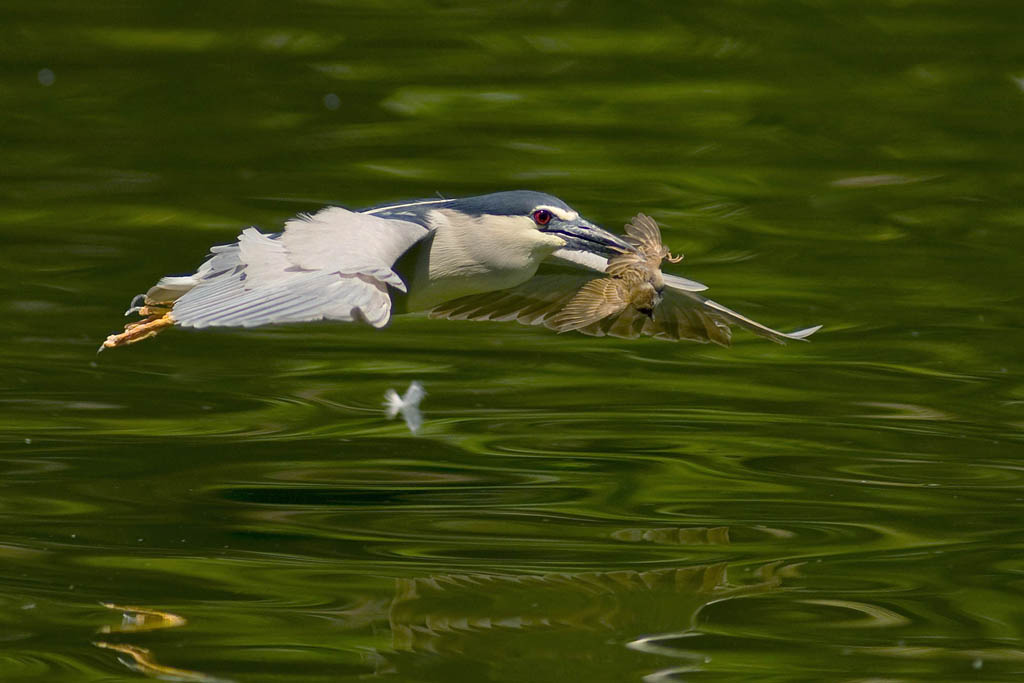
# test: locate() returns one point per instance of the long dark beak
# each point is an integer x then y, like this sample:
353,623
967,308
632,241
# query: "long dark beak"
582,235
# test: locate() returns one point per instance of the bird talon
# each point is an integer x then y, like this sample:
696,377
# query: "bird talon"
151,326
154,310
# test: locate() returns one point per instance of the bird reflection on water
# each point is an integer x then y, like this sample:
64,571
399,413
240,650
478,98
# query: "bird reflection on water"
423,624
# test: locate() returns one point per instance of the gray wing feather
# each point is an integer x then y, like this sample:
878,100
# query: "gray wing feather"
735,318
531,303
325,241
336,265
682,284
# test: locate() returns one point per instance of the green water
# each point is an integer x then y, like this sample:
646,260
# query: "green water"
574,509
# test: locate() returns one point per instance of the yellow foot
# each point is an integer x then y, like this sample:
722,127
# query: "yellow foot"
156,310
153,325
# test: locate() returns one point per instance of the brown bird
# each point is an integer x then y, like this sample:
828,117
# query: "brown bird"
636,281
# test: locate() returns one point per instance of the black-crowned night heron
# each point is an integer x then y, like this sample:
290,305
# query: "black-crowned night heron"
519,256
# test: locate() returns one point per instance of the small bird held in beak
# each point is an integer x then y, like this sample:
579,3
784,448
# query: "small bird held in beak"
636,280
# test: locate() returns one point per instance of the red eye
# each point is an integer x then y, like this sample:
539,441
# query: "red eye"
541,216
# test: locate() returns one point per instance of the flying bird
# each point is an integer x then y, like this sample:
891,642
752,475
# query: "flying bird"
519,255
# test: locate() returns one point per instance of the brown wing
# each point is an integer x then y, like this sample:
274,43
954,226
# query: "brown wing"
595,301
680,314
623,264
629,324
644,232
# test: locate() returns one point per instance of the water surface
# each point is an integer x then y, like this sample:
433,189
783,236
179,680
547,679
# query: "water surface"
215,506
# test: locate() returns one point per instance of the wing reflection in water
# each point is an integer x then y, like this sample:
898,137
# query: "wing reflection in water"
556,626
531,622
718,535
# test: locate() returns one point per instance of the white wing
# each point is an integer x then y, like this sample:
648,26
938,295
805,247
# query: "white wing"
335,265
719,311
